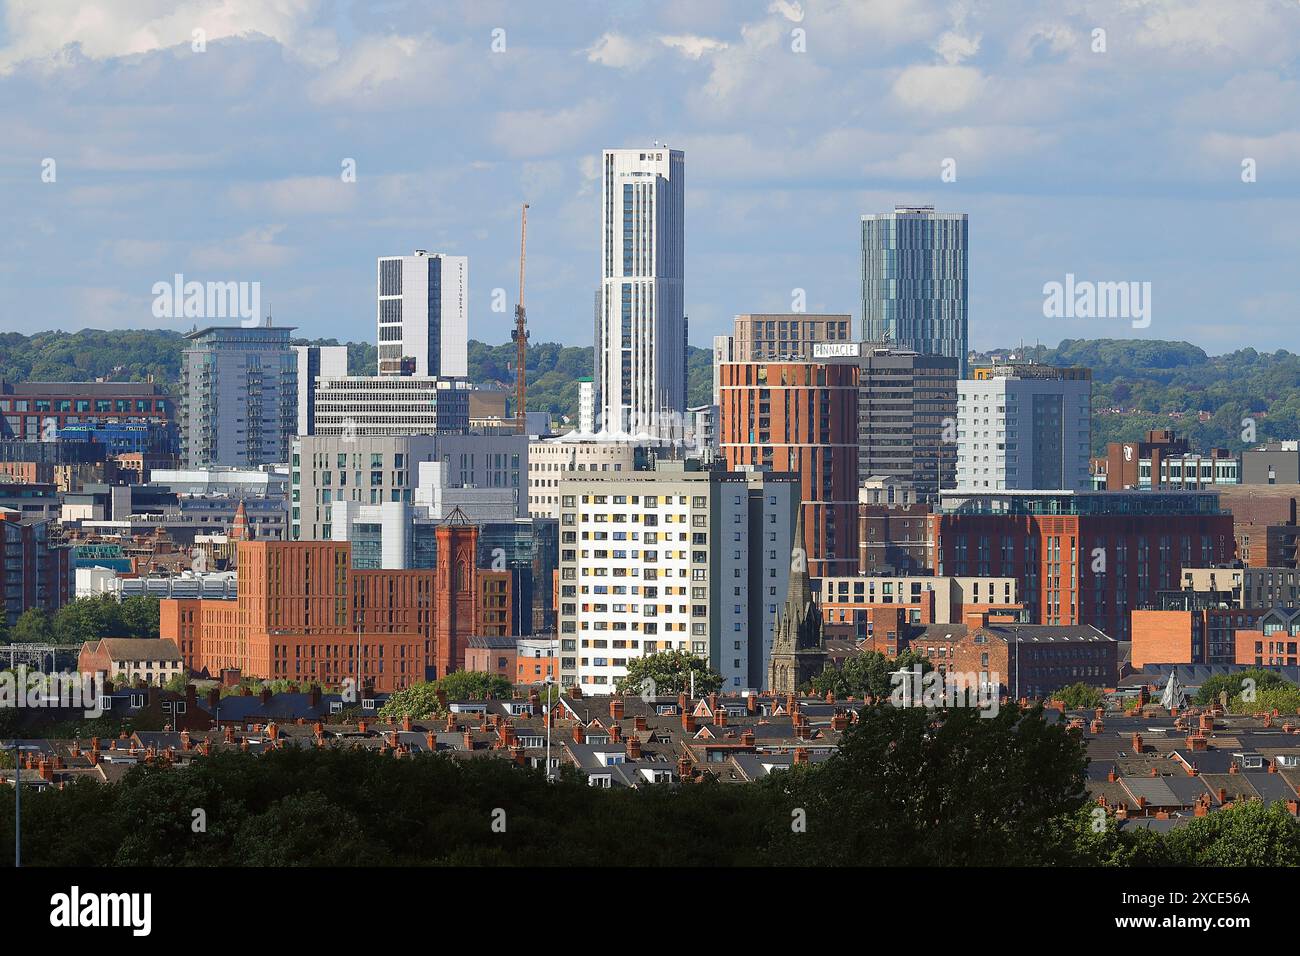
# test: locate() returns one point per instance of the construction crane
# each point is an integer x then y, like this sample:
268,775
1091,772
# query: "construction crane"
520,334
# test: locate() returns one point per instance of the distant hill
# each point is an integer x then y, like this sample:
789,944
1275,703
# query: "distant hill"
1138,384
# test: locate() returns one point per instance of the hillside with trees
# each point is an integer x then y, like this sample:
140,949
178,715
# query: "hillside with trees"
1138,384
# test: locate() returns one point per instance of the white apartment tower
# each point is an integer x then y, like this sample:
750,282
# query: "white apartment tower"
422,312
1024,427
641,335
678,558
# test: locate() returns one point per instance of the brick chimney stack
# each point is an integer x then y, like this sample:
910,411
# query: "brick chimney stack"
688,723
579,735
616,708
406,723
634,748
1137,743
751,704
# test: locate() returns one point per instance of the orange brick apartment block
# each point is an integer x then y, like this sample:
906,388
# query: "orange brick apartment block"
1198,636
302,606
1275,642
800,417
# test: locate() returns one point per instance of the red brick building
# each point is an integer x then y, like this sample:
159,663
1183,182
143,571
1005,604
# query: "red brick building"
800,417
303,609
1028,660
1274,641
1081,557
1192,635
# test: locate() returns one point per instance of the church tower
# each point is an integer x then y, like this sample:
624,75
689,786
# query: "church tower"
798,651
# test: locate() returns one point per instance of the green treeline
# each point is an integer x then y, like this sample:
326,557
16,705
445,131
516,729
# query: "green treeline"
906,787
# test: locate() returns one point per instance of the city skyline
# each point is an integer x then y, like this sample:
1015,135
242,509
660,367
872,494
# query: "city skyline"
1044,158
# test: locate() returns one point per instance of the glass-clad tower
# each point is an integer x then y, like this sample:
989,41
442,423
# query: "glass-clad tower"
914,281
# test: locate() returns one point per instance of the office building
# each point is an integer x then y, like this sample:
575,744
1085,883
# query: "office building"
303,612
314,363
373,470
422,311
1080,557
586,406
642,334
907,414
1189,627
1024,427
677,558
381,406
1264,522
923,599
1273,463
38,566
1162,461
914,274
769,337
239,403
801,418
36,411
1244,587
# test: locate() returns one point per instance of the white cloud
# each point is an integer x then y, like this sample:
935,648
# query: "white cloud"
542,132
952,47
792,11
297,196
255,248
39,30
693,47
376,66
619,52
938,89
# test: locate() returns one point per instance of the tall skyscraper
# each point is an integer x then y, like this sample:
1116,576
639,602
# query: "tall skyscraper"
914,281
423,314
1024,427
316,362
642,331
240,396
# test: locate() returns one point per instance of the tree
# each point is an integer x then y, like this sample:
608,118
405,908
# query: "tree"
1080,696
33,627
139,616
1246,834
422,700
912,786
1284,699
304,829
1232,684
669,672
866,675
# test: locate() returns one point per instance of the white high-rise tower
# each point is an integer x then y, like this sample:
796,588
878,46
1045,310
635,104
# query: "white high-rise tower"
423,315
642,328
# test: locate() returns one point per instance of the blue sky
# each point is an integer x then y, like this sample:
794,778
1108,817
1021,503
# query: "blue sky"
224,165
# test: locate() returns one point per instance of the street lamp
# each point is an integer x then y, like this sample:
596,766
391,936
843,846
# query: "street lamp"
547,684
18,799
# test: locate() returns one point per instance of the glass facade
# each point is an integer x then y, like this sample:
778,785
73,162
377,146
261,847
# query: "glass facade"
914,272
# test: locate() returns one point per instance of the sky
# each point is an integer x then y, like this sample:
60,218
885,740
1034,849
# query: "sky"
1148,141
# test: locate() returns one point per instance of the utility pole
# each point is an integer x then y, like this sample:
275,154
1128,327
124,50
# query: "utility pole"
520,334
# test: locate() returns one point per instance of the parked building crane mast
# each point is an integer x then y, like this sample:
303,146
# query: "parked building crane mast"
520,334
